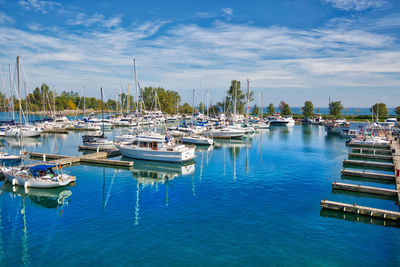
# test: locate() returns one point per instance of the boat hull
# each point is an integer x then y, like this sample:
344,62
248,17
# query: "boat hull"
35,183
157,155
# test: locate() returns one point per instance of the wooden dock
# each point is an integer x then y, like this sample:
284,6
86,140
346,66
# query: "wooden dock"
369,164
371,175
365,189
371,151
110,152
371,156
395,149
361,210
96,158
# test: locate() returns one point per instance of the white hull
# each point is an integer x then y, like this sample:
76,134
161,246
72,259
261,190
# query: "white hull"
108,145
25,133
198,140
158,155
35,183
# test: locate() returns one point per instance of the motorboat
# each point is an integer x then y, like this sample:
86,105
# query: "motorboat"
368,140
277,120
37,176
157,147
7,159
97,141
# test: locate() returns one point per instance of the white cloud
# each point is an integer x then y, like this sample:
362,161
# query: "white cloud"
227,12
90,20
38,5
357,5
206,15
302,62
5,19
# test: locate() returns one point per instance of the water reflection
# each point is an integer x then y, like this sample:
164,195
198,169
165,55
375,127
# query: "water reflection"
26,141
153,174
47,198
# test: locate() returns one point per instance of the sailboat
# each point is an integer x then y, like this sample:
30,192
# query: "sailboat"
194,138
99,140
39,176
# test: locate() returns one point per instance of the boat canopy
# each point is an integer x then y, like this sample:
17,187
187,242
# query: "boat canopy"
41,167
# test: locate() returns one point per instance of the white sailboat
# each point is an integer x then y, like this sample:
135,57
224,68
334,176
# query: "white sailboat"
38,176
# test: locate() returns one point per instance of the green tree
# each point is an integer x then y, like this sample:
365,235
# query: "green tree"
379,110
185,109
167,99
202,107
271,109
335,108
397,110
286,110
256,110
235,92
308,109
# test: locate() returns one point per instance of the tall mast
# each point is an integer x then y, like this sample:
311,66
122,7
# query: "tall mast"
102,109
194,90
128,102
248,107
12,94
26,100
20,108
207,108
262,105
234,102
44,100
84,102
202,98
136,88
54,101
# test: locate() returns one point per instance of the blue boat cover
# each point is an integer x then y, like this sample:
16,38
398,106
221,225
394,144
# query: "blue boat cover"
41,167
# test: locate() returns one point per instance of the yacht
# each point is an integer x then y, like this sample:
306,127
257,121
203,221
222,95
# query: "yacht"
97,141
336,127
157,147
277,120
7,159
368,140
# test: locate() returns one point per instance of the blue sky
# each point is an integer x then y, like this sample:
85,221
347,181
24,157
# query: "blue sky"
293,50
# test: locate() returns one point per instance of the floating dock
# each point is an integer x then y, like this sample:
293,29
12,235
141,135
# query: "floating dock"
371,151
361,210
371,175
369,164
371,156
395,149
96,158
369,145
365,189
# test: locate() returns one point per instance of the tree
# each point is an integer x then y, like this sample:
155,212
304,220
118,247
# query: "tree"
308,109
71,104
256,110
335,108
167,99
235,92
379,110
271,109
202,107
286,110
397,110
185,109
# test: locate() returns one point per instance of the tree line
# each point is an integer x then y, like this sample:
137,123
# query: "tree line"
167,101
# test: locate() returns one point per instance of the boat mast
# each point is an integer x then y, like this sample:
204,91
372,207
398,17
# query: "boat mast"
248,107
262,106
102,109
54,101
84,102
194,90
136,88
44,100
12,94
128,102
234,102
20,109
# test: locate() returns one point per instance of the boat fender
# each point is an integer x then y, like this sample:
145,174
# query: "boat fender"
14,181
26,184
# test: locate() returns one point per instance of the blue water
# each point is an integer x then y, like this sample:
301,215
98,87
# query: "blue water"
251,202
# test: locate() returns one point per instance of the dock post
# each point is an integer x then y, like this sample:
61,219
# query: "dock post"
44,157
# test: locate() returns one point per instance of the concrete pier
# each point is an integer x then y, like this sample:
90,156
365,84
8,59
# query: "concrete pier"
371,175
365,189
361,210
369,164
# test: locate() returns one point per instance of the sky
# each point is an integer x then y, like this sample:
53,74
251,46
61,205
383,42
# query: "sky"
290,50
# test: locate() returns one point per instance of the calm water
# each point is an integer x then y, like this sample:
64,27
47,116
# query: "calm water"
250,202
